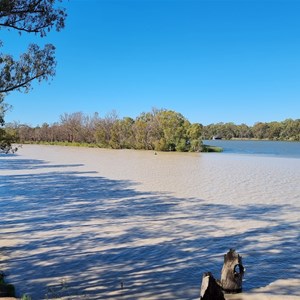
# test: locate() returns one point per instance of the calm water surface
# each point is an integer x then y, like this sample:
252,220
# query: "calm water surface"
268,148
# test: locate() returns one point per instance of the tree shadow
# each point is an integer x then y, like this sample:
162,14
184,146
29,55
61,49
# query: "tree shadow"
28,164
109,241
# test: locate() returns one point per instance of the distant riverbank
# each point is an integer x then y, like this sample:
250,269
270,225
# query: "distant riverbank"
246,146
203,148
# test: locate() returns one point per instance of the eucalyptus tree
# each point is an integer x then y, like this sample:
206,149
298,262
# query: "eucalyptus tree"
290,130
104,127
73,126
141,134
37,63
174,128
122,134
194,133
149,131
260,130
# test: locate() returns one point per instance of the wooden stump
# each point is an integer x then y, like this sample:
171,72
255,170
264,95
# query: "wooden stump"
232,272
210,290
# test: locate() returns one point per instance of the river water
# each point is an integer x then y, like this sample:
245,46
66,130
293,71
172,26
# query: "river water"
123,224
262,148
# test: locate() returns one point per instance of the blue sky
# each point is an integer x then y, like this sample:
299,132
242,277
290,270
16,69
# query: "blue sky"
213,61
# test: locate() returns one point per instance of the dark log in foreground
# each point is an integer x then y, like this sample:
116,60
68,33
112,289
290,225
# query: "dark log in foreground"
210,290
232,272
6,290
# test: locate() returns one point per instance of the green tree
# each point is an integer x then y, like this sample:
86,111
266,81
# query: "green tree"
104,128
260,130
194,133
274,130
126,133
174,128
140,129
244,131
28,16
291,130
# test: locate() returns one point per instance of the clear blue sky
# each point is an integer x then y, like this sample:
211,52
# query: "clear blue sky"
213,61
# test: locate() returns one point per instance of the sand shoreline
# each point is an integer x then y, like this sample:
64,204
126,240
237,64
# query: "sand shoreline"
95,218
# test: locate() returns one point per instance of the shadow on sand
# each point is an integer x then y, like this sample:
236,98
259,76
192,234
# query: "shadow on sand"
100,235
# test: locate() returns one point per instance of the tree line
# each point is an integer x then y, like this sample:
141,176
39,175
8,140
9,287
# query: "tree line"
287,130
159,130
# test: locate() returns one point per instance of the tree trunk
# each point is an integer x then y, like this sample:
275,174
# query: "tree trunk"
210,290
232,272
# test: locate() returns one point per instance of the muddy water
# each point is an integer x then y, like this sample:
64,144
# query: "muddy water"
127,224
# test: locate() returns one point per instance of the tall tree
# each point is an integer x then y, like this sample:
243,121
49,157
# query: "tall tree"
35,17
30,16
174,131
194,133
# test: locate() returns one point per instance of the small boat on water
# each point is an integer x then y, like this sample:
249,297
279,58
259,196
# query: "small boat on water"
216,137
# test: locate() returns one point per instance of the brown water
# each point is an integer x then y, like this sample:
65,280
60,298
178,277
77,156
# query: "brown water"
94,218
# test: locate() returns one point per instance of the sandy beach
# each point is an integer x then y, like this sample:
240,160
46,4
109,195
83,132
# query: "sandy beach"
80,223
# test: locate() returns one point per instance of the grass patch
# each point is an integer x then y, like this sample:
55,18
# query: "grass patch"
208,148
71,144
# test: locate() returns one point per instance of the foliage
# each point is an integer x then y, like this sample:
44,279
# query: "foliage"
195,132
208,148
33,16
287,130
27,16
7,137
30,16
36,63
3,109
158,130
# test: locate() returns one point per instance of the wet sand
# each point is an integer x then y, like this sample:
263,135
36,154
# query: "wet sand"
125,224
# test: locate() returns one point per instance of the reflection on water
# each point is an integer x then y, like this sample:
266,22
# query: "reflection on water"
96,218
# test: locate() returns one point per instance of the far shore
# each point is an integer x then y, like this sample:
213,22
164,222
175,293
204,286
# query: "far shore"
205,147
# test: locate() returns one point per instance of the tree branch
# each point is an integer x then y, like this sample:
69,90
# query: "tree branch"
35,30
15,87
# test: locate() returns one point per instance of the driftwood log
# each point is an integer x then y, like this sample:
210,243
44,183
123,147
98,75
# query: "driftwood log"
232,272
210,289
231,278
